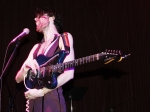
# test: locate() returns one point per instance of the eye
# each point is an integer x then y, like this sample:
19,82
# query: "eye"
45,17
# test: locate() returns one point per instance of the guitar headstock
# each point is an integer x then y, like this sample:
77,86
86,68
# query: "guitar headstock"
112,55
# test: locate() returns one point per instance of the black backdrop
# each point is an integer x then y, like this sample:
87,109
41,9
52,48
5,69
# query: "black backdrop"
96,25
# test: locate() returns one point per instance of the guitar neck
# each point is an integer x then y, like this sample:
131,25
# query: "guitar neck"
77,62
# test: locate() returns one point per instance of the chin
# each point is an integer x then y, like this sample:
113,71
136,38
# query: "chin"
39,30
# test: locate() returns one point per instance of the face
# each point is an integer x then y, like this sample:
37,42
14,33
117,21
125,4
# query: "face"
41,22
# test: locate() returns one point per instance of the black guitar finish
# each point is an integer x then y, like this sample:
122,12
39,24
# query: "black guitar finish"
52,67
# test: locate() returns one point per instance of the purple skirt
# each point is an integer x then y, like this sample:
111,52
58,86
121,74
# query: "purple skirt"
51,102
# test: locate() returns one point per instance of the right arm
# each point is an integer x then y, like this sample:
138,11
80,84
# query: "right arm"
29,63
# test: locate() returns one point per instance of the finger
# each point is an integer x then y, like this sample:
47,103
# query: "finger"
35,66
27,93
26,96
26,67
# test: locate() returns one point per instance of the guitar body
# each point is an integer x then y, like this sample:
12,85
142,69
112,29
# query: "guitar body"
46,76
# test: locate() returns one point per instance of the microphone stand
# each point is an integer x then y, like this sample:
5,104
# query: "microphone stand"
11,99
71,103
3,71
111,109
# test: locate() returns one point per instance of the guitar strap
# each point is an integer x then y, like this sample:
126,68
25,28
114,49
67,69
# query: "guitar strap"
66,42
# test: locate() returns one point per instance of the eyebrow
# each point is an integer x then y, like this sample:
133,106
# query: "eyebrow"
38,16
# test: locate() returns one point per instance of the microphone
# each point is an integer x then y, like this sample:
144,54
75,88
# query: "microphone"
22,34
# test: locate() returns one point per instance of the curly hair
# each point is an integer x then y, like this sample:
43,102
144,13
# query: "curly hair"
50,13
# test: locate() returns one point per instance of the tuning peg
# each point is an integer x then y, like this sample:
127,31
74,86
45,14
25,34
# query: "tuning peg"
107,51
116,51
120,53
113,51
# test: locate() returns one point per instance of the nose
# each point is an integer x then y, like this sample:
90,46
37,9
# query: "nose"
35,19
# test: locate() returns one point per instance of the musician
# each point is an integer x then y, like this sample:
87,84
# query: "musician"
47,100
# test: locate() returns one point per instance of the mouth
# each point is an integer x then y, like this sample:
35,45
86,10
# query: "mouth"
37,23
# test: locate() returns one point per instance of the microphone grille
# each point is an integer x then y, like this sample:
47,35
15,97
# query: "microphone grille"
26,30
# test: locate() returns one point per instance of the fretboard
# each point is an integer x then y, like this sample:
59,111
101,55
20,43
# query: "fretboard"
77,62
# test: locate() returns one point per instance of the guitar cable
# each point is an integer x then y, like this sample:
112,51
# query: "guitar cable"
27,106
27,102
25,83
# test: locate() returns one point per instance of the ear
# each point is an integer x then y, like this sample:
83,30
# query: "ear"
52,18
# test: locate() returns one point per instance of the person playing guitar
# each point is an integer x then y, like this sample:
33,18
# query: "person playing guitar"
45,98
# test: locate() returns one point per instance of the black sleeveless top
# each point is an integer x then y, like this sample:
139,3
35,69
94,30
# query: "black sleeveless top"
54,100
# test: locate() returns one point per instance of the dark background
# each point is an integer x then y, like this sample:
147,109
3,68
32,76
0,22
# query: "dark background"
96,25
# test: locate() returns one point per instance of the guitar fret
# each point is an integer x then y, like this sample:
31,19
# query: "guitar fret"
60,68
54,68
71,63
93,57
66,65
57,66
76,62
81,61
87,59
90,59
49,69
97,56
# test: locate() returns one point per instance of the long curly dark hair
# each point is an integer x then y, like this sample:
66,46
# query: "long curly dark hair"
50,13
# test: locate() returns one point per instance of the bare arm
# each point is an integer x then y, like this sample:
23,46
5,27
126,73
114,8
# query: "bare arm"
26,66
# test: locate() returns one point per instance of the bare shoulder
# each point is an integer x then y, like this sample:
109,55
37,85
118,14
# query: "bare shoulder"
35,46
70,39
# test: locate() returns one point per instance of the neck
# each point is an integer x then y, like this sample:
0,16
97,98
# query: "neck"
50,32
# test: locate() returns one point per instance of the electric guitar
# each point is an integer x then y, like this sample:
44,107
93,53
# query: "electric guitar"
52,67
